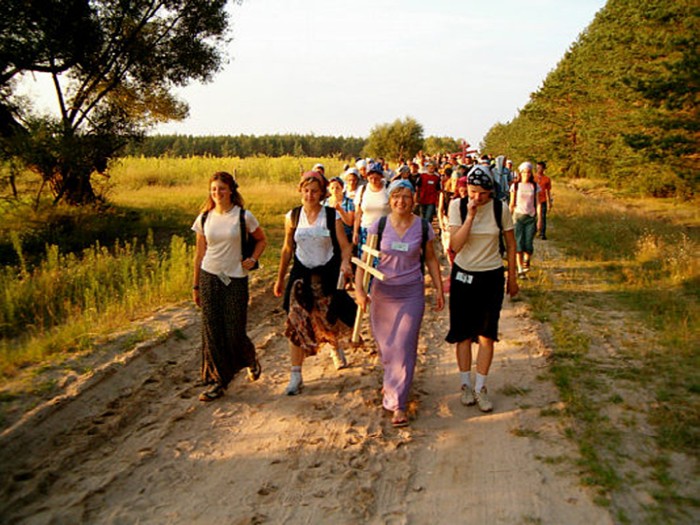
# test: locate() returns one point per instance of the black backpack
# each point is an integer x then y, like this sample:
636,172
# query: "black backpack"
498,215
424,230
247,240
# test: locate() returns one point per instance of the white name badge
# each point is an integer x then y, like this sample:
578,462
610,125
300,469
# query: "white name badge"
314,232
399,246
464,277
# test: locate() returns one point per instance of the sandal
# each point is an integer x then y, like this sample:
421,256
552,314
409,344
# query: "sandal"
213,393
399,421
254,371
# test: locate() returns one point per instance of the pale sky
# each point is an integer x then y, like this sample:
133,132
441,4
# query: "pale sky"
335,67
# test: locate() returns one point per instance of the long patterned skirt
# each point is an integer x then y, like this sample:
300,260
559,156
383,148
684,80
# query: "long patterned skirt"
309,329
396,313
226,347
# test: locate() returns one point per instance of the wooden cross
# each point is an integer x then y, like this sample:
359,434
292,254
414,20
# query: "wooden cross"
369,254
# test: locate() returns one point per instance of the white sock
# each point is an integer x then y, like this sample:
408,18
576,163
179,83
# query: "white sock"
466,379
296,370
480,382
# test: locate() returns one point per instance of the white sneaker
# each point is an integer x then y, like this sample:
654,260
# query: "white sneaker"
339,359
483,401
467,397
295,385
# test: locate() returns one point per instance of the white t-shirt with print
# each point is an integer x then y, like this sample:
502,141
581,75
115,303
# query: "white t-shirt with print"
223,235
314,244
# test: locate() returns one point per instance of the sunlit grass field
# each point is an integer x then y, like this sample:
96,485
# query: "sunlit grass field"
95,272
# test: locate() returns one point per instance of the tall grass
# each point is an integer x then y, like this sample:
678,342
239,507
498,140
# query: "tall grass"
41,308
56,300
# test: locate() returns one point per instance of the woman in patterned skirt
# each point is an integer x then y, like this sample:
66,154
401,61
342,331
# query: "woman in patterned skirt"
315,240
221,285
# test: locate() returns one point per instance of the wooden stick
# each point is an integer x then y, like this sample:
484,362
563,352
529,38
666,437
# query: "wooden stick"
369,253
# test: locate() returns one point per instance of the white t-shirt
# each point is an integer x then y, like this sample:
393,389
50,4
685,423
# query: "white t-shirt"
223,235
480,253
375,204
314,244
524,198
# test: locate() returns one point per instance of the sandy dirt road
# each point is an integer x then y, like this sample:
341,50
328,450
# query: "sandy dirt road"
132,444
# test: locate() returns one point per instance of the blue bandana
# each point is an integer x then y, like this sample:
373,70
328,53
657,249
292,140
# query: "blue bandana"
401,183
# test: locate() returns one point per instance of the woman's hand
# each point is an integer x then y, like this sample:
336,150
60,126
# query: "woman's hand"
362,299
346,268
472,206
439,300
279,288
195,297
512,287
248,263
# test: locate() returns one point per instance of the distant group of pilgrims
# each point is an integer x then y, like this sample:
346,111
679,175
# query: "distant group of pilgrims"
483,210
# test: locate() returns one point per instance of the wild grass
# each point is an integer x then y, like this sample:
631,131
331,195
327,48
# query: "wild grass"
639,258
62,303
72,274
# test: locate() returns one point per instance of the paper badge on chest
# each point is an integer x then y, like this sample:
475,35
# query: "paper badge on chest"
399,246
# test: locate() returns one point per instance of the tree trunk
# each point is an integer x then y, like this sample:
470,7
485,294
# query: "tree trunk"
73,187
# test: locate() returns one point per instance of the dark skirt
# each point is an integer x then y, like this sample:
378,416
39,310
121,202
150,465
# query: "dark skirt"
475,304
226,348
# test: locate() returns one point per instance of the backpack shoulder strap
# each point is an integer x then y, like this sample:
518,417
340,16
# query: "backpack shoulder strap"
424,234
330,223
463,201
204,218
244,230
498,213
362,195
380,230
296,212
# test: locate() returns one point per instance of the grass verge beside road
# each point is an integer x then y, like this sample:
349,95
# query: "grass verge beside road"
619,290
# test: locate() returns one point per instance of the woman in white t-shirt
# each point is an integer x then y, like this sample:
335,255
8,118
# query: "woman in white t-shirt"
315,240
220,284
371,203
527,214
477,280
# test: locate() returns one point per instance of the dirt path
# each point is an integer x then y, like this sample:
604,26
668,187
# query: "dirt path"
135,445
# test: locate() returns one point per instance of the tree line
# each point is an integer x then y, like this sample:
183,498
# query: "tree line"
393,141
622,104
246,146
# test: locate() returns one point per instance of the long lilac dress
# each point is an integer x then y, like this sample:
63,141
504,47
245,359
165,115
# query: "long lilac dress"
396,309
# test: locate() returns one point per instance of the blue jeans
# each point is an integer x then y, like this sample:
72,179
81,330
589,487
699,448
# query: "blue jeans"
427,211
525,229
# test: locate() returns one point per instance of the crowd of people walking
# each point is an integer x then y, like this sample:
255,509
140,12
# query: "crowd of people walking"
485,213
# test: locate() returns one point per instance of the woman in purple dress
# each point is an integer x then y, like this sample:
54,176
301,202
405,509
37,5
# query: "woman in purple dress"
398,302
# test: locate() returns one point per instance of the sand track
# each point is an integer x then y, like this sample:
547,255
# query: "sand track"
136,446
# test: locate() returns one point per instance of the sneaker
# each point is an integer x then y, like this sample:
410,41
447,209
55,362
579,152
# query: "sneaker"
295,385
483,401
467,397
339,359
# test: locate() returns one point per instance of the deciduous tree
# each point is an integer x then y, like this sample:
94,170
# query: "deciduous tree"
113,65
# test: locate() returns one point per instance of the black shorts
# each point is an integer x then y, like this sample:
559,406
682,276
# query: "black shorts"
475,304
